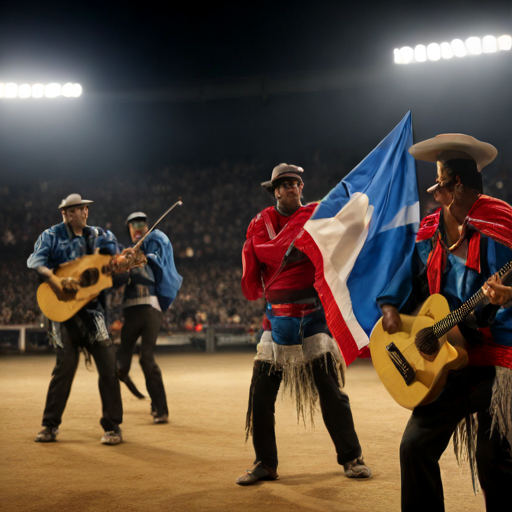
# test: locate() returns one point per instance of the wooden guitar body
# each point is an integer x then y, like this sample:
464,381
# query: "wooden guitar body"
430,377
60,311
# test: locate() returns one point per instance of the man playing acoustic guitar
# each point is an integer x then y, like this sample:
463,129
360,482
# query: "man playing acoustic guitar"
86,330
459,249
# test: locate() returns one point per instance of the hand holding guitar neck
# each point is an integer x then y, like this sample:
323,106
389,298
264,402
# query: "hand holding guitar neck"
497,293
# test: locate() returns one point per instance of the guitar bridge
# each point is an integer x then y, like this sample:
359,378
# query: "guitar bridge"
402,365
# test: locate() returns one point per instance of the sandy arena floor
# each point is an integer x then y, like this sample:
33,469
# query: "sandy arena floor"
191,463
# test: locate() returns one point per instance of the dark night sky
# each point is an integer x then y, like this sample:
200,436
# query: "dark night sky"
110,48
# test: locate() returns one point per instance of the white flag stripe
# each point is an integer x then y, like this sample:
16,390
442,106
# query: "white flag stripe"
340,240
409,214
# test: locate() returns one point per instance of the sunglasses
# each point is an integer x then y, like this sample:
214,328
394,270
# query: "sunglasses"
138,224
290,184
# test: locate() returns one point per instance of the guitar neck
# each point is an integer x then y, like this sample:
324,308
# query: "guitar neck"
446,324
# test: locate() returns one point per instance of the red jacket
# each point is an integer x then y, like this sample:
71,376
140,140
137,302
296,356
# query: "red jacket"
269,237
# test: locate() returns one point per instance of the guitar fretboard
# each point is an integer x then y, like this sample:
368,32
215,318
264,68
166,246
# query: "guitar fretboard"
443,326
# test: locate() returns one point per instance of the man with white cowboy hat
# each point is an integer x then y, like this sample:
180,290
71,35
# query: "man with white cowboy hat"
86,330
459,249
297,349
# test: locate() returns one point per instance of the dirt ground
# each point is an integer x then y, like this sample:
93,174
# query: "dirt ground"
190,464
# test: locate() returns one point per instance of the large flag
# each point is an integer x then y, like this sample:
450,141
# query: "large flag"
359,236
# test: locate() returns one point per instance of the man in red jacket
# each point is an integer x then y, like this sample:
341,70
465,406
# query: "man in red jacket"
298,348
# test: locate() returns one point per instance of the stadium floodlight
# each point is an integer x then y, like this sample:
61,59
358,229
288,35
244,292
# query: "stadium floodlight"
53,90
420,53
68,90
505,42
446,51
37,91
433,51
24,91
407,54
474,45
10,90
77,90
457,48
489,44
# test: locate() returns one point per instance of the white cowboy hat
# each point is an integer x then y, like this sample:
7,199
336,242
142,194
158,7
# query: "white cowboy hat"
429,150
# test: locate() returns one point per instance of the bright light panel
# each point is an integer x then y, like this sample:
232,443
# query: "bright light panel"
505,42
457,48
24,91
53,90
446,51
489,44
37,91
67,90
407,54
474,45
10,90
420,53
433,51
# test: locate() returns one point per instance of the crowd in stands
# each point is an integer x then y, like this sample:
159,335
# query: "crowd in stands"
207,232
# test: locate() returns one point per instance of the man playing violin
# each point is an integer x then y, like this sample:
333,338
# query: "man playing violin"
86,330
459,249
149,291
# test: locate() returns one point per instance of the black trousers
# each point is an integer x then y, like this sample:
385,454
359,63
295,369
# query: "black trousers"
64,373
334,404
428,433
143,321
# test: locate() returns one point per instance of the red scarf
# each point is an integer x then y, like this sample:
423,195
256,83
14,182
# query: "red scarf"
489,216
492,218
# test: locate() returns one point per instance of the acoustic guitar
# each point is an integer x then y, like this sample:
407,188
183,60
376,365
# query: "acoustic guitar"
90,272
409,378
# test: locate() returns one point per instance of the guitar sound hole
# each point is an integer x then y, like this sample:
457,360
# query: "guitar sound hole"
89,277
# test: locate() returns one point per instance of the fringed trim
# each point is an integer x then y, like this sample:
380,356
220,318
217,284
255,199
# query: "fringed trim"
54,335
464,445
501,403
298,384
500,409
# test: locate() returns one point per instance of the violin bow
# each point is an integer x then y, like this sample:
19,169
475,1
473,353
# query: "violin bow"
136,247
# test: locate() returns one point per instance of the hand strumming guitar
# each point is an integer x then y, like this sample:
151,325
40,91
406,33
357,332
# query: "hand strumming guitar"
391,321
64,288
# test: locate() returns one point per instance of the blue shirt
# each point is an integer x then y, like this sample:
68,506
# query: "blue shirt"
158,250
458,284
58,245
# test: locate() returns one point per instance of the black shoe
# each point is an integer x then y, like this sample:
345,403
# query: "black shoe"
164,418
357,469
112,437
47,435
257,472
